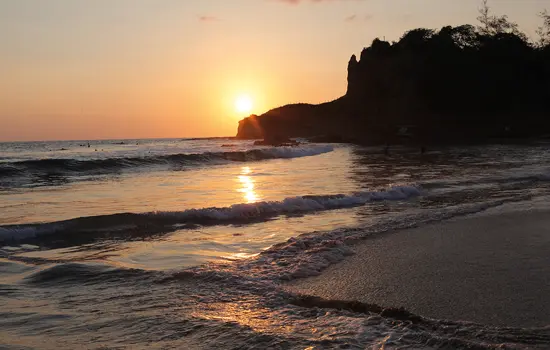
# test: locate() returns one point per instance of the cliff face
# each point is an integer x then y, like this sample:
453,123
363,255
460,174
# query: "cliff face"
297,120
250,129
449,85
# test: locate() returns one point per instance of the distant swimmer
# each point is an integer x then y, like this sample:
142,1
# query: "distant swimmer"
88,145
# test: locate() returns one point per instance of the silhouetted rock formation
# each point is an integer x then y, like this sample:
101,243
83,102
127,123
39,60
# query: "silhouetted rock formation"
458,84
249,128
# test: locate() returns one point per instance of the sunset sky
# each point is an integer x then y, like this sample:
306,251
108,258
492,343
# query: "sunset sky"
82,69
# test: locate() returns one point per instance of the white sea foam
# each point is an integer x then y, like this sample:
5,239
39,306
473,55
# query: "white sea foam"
309,254
292,205
19,173
252,211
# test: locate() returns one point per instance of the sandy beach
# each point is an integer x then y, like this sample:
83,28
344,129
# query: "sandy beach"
492,269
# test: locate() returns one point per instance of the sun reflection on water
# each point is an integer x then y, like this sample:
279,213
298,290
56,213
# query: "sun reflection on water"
240,256
248,313
247,186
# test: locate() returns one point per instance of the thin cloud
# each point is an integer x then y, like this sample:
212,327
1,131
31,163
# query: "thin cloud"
295,2
354,18
208,19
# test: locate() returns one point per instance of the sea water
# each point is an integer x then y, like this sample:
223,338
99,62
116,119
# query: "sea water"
183,243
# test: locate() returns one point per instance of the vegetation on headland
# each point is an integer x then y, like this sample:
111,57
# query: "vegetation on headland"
457,84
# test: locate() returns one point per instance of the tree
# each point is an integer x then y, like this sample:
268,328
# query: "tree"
416,39
492,25
380,47
463,36
544,30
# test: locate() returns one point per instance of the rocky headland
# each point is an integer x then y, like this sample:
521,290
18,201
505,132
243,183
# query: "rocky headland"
456,84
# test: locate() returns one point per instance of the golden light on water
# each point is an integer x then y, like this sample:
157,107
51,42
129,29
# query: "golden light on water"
240,256
247,313
247,186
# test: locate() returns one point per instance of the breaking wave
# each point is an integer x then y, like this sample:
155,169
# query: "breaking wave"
77,167
168,221
220,293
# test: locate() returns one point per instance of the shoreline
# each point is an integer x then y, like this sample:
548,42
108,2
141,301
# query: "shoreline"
491,269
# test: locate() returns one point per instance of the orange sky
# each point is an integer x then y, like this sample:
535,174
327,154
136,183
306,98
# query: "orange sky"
77,69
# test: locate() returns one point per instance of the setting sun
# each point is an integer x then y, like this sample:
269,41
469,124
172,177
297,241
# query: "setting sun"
243,104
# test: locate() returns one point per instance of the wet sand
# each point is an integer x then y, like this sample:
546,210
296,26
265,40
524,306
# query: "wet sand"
492,269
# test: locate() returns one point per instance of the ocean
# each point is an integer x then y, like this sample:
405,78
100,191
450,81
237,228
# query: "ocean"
185,243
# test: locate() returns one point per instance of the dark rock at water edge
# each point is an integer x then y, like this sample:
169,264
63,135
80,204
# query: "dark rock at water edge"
276,141
456,85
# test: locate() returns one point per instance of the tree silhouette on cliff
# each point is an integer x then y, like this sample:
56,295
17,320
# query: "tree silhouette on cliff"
463,82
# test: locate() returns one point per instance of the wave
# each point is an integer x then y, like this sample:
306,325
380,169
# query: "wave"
512,180
74,273
73,167
309,254
157,222
503,180
217,291
210,306
438,333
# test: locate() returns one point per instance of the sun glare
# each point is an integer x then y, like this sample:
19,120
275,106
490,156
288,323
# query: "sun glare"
243,104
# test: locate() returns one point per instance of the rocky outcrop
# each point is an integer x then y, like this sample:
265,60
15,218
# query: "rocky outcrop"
297,120
277,142
450,85
249,128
